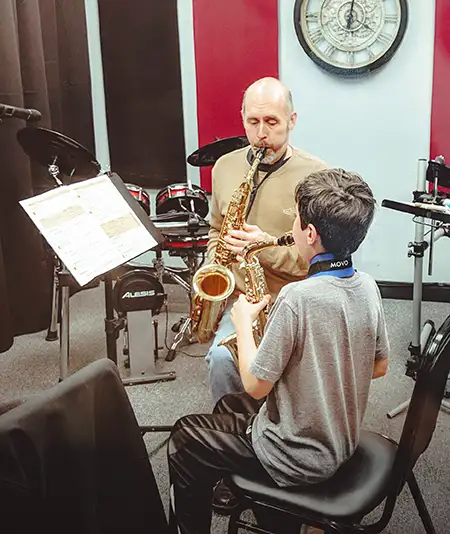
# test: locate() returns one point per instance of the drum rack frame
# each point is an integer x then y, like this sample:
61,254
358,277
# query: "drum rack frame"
421,335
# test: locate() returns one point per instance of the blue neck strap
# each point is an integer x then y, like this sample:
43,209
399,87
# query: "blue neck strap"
328,264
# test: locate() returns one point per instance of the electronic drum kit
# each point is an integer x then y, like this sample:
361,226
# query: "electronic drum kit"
133,292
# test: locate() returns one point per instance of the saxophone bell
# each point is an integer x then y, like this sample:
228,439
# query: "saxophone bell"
213,282
212,285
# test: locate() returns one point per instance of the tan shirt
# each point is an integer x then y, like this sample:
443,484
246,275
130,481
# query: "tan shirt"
273,211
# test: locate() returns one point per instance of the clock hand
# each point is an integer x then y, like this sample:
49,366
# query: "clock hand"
350,15
365,25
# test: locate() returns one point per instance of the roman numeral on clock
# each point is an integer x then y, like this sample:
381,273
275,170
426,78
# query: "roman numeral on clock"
313,17
316,36
391,18
385,38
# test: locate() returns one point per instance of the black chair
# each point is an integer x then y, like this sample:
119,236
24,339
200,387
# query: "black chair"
72,460
376,472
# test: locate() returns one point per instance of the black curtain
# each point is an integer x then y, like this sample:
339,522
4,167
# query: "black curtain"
141,63
44,65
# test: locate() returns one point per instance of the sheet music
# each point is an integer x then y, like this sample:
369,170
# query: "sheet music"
90,226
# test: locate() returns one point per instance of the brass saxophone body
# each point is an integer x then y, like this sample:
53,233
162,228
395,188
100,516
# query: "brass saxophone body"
213,283
256,288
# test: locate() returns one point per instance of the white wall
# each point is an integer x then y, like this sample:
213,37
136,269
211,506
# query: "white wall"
378,126
188,83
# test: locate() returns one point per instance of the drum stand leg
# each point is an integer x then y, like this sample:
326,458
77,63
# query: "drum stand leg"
183,332
184,325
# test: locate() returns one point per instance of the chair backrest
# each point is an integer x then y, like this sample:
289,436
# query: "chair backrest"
425,404
73,455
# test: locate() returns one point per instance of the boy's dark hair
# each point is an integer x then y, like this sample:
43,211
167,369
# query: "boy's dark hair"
340,205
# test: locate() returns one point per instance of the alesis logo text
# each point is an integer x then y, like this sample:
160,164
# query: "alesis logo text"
339,264
138,294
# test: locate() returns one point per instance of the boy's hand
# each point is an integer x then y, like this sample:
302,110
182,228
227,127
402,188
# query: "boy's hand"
243,313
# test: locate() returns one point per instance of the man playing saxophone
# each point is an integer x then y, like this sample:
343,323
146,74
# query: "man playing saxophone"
268,117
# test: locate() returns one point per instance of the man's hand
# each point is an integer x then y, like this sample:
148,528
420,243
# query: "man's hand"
237,239
244,313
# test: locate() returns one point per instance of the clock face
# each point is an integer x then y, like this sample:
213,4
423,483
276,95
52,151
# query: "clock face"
350,37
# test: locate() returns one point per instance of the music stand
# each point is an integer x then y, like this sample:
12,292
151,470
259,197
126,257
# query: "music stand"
425,206
54,149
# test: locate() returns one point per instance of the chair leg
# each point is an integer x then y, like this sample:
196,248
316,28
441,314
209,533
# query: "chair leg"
420,503
232,524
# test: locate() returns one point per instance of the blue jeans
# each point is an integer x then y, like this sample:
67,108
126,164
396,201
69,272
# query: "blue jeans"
224,376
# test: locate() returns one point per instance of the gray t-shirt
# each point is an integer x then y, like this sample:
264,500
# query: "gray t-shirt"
319,347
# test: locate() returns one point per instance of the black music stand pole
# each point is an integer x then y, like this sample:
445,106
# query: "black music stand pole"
64,276
52,331
112,325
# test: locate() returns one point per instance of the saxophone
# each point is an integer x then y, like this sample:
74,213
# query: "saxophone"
213,283
256,288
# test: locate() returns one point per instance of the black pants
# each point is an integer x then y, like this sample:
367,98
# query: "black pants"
202,450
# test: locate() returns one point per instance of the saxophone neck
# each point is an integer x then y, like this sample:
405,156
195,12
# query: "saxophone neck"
259,156
286,240
253,248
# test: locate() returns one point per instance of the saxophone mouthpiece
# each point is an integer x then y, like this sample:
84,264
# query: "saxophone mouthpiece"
286,240
261,152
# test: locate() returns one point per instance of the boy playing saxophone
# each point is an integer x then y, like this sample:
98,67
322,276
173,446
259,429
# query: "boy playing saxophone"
307,384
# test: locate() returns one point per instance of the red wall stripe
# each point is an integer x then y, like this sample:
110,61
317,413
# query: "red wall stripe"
440,106
236,42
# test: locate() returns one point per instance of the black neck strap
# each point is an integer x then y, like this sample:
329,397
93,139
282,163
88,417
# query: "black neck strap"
336,264
264,167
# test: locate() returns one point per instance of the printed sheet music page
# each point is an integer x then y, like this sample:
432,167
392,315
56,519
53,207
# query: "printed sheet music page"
90,227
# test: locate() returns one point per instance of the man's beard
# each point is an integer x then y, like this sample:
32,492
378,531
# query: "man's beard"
270,155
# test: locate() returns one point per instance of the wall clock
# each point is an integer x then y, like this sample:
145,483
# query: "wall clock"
350,37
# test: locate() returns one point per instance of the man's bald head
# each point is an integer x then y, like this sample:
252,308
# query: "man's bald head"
268,117
269,89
